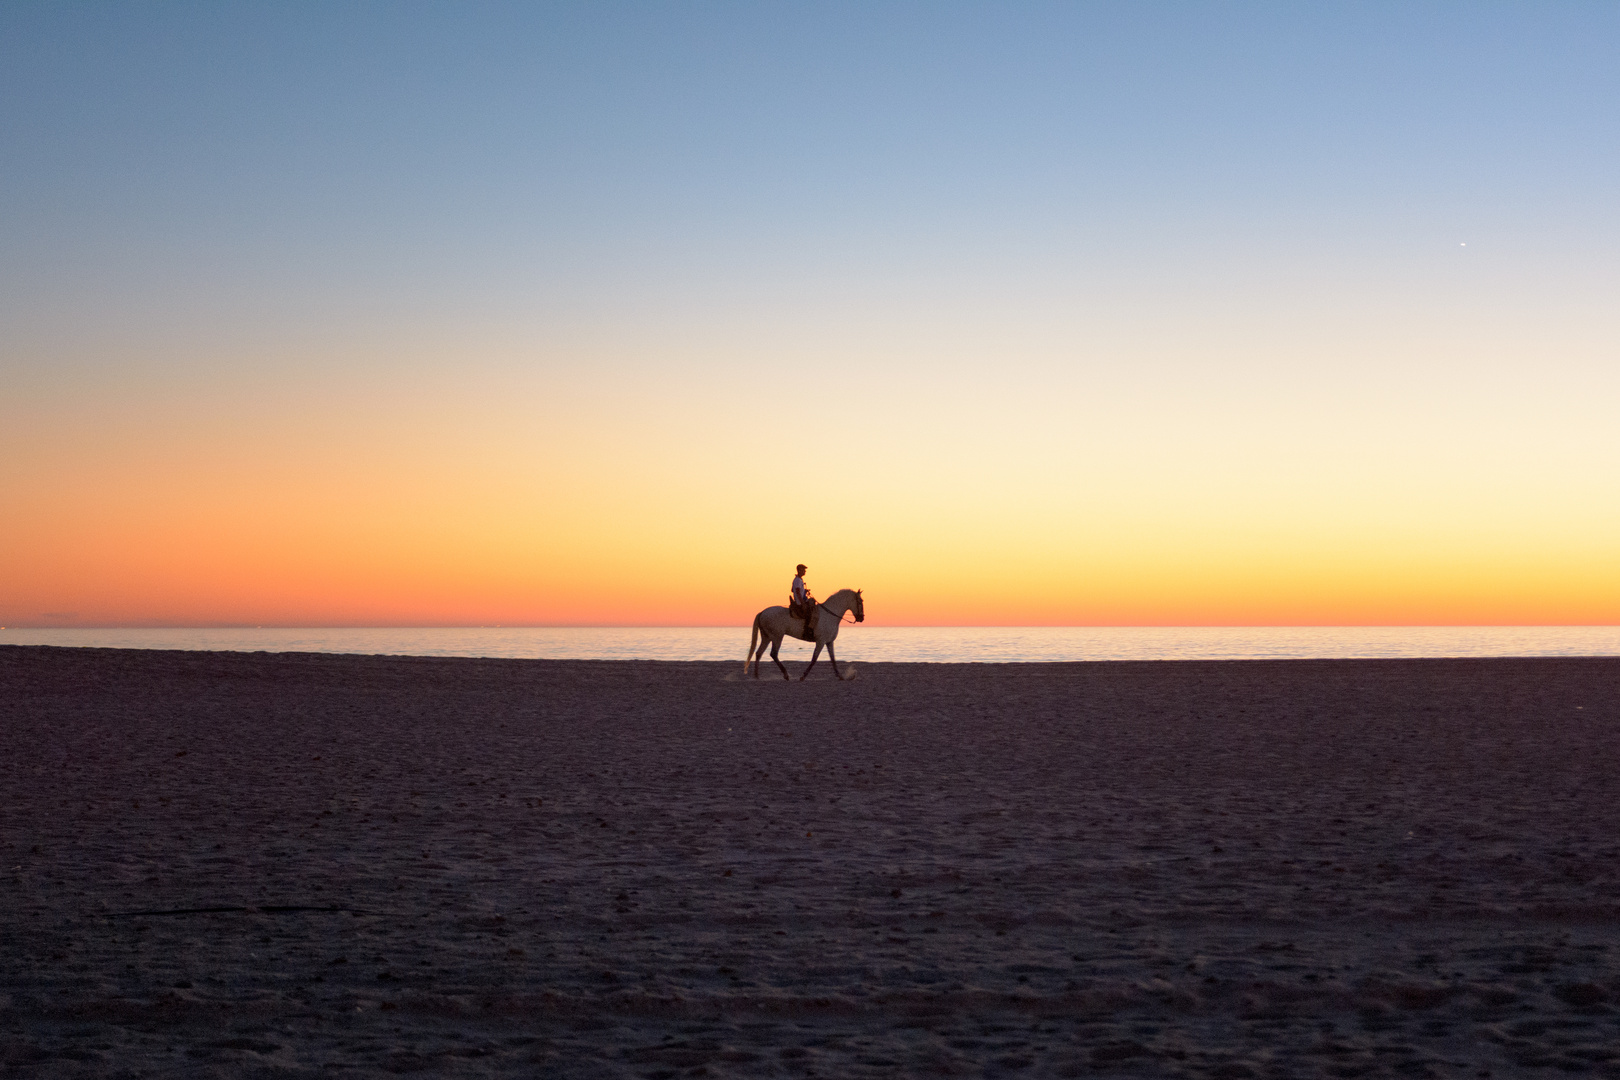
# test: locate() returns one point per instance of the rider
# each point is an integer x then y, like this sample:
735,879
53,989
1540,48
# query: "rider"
805,602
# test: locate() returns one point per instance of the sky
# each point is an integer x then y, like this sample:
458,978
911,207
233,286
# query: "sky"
1016,313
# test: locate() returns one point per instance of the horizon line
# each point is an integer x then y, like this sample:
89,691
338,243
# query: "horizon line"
732,626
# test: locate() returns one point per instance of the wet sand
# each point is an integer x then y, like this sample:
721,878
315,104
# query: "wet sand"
218,864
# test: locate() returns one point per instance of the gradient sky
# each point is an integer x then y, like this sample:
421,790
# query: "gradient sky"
1125,313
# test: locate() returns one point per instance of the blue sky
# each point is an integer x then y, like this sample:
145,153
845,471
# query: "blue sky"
240,157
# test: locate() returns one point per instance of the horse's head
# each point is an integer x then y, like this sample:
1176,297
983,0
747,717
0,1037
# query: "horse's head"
860,608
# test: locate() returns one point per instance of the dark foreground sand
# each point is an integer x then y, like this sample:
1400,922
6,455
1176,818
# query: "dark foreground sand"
304,865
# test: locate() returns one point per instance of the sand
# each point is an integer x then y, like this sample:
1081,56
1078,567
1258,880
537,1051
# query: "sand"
223,864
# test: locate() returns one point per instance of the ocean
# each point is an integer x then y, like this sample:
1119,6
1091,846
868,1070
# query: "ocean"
951,644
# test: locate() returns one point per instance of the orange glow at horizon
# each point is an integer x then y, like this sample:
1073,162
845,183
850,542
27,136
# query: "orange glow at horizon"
400,510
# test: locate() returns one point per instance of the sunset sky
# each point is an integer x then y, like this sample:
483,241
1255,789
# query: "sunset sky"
1090,314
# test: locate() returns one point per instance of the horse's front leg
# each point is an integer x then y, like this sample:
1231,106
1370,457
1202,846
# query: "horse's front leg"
833,659
776,648
813,658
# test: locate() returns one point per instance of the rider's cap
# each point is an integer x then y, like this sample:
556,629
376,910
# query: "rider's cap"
802,568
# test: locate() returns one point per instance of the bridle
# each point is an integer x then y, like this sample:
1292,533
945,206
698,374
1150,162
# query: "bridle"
822,604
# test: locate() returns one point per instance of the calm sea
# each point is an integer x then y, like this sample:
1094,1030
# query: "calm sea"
955,644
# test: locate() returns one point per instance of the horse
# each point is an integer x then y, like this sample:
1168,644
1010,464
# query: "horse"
774,623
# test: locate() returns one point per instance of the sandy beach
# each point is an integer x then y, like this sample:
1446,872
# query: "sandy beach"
221,864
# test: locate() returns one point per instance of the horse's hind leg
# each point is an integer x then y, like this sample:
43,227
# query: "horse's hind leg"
764,643
813,658
776,647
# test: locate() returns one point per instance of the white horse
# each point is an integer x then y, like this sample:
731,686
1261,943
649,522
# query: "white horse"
774,623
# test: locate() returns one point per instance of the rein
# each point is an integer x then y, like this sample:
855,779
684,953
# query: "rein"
822,605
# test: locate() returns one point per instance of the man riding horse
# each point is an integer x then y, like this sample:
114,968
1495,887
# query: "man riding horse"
775,623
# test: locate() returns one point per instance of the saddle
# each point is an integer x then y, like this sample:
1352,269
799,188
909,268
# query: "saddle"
807,612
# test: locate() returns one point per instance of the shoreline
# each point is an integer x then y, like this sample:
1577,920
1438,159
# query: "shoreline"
800,659
878,644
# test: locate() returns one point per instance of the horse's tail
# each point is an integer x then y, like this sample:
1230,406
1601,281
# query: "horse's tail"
753,640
